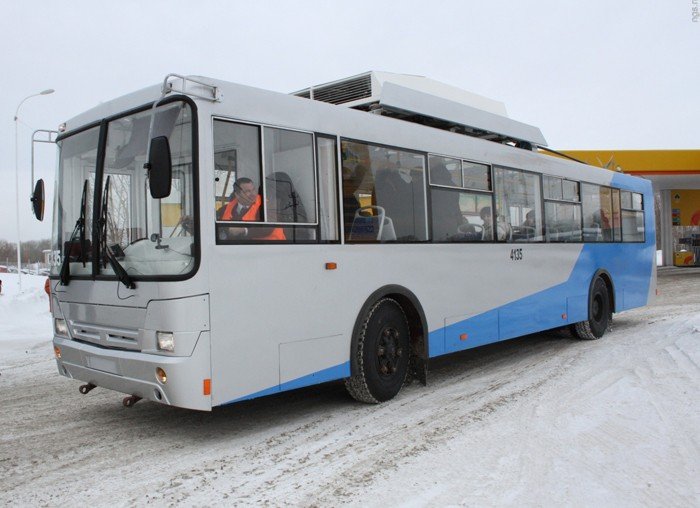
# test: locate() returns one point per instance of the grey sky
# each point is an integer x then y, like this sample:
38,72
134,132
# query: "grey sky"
594,74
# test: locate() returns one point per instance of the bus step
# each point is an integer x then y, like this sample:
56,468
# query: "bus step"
86,388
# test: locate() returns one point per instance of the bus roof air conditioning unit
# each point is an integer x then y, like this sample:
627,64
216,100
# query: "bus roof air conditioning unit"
422,100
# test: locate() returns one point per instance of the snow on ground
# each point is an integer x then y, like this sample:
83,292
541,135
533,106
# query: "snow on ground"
25,321
541,420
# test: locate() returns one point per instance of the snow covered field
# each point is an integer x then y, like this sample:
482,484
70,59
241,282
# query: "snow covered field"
542,420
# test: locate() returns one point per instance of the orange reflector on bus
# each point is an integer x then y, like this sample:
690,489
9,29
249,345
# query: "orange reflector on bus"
57,351
331,266
207,387
463,336
563,316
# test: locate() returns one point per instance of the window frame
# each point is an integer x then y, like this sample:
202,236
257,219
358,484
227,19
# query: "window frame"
461,160
103,124
426,197
336,204
313,226
452,188
636,211
541,202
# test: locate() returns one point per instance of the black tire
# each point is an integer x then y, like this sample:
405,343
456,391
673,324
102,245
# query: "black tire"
382,354
599,313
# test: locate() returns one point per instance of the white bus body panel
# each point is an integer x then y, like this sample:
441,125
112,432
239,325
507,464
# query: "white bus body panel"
279,319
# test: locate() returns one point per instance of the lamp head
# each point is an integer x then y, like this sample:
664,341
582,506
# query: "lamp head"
47,91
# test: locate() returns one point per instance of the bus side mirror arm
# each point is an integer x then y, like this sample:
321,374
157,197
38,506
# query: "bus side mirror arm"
38,195
160,168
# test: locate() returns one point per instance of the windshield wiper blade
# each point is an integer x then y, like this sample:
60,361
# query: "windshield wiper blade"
102,226
119,271
79,231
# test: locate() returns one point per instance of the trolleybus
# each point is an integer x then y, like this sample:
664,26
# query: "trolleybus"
214,242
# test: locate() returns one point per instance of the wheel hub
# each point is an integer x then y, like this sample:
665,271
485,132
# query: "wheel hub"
389,351
597,308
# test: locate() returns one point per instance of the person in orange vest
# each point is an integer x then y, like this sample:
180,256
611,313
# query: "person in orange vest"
246,206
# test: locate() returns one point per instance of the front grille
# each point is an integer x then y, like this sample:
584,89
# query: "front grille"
124,338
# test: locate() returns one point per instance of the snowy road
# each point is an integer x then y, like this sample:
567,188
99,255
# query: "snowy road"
543,420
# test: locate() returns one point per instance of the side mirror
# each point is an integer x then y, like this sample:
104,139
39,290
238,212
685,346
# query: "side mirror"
160,167
38,200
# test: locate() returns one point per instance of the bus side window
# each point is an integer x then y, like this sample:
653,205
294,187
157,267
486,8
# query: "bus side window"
273,199
290,184
518,206
599,214
383,194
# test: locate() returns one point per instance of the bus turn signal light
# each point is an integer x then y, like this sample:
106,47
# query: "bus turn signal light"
464,336
57,352
331,266
207,387
161,375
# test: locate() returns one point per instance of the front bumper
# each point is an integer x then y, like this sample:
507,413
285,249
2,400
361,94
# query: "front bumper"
134,373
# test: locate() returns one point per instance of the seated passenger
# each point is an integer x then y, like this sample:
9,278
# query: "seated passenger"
527,228
503,229
487,232
530,220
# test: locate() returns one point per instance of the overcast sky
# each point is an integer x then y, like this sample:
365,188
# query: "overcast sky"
594,74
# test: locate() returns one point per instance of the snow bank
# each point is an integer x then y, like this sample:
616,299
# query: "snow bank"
25,320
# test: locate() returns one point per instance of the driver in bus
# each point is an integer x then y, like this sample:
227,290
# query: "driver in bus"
245,206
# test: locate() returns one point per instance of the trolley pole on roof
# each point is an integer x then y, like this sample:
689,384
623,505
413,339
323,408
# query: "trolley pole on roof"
19,240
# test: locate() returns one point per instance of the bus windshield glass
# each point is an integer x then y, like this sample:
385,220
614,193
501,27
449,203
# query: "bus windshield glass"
148,237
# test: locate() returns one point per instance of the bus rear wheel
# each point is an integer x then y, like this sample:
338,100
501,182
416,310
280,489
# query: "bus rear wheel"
382,354
599,313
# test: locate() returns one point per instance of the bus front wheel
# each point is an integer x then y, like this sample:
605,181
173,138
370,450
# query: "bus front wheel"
382,353
599,313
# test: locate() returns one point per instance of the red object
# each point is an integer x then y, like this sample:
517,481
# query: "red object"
695,219
47,288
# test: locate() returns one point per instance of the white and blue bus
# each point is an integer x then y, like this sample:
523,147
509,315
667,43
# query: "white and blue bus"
216,242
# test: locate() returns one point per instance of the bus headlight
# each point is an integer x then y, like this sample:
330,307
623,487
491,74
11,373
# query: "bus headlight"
60,328
166,341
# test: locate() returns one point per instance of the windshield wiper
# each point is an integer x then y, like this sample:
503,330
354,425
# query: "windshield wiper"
79,230
105,249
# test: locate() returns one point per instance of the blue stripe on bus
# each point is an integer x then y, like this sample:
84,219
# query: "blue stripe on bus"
630,266
330,374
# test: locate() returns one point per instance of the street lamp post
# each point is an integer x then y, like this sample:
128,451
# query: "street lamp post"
19,241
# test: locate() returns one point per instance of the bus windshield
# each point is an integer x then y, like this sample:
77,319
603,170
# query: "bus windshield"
148,237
